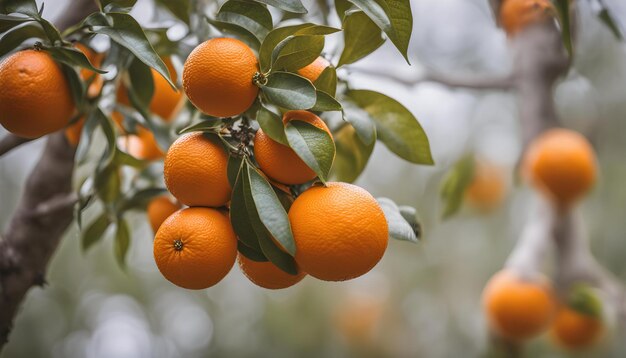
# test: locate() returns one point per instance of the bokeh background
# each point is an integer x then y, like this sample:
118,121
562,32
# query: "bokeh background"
421,300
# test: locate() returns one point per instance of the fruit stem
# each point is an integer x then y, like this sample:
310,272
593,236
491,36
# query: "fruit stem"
178,245
260,79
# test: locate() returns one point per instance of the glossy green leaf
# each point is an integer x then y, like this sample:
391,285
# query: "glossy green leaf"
327,81
129,34
293,53
250,253
12,39
141,81
361,121
209,125
455,184
122,158
26,7
563,9
93,233
237,31
92,121
108,183
253,17
290,91
268,247
313,145
326,102
272,125
123,3
53,34
72,57
270,210
399,228
361,37
239,214
341,7
122,242
410,215
140,199
352,155
179,8
396,127
8,22
77,86
287,5
233,168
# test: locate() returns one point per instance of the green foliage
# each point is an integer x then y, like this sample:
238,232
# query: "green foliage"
399,227
454,185
290,91
583,299
313,145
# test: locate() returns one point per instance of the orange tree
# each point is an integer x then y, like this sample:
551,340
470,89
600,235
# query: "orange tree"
107,93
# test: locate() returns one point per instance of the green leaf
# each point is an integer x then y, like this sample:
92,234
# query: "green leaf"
108,128
326,102
72,57
583,299
341,7
313,145
293,53
563,10
270,210
141,81
410,215
455,184
129,34
94,231
268,247
250,253
122,3
279,34
12,39
253,17
327,81
289,91
208,125
8,22
108,182
352,155
239,214
179,8
361,121
399,228
122,242
393,17
396,127
361,37
26,7
121,158
233,169
607,18
140,199
237,31
272,125
77,87
53,34
92,121
287,5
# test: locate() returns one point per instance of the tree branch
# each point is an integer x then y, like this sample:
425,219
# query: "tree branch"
43,214
10,142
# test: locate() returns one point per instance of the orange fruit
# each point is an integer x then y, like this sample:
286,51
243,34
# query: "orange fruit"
279,161
575,330
159,209
339,230
516,15
217,77
518,309
562,164
142,145
195,171
87,75
267,275
165,102
195,248
313,70
488,187
35,96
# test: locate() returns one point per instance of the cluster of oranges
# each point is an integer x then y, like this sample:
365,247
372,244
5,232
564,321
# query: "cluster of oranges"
561,165
339,230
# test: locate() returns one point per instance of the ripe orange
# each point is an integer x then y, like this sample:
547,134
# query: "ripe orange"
159,209
142,146
574,330
217,77
195,171
165,102
195,248
88,75
488,187
516,15
340,231
562,164
518,309
313,70
267,275
35,96
279,161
